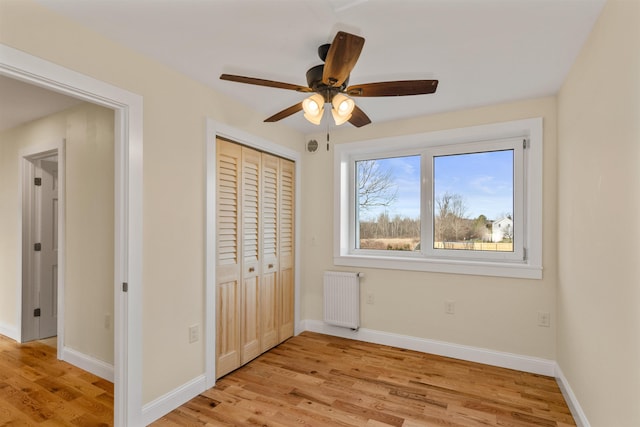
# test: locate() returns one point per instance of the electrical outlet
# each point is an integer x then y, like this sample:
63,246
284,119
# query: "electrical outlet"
370,298
450,307
194,333
544,319
107,321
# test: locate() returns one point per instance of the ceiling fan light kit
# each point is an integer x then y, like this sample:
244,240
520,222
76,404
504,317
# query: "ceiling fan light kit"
342,108
330,82
313,108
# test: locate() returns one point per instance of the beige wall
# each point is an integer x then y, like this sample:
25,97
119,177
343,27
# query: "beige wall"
89,233
598,210
88,130
175,108
491,312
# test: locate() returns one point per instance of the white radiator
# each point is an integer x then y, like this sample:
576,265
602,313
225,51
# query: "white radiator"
342,299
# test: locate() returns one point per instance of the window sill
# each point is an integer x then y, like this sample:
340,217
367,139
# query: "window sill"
478,268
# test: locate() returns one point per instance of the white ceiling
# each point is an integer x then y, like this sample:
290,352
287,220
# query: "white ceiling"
482,51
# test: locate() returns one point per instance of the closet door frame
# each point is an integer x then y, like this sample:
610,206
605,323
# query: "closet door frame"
215,129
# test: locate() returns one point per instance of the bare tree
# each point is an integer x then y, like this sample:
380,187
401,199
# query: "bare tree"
376,187
451,223
459,221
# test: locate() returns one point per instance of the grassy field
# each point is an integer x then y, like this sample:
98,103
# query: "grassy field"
409,244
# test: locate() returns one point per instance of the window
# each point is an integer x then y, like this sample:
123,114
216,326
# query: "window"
388,203
463,201
476,189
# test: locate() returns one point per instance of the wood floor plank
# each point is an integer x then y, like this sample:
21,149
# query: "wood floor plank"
318,380
38,390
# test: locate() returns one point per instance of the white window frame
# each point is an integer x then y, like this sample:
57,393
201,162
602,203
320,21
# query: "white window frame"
519,243
524,262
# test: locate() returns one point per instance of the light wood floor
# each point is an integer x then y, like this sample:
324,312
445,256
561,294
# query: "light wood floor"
318,380
36,389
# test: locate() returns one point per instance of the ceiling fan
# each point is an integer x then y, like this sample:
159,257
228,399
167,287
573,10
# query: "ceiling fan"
329,83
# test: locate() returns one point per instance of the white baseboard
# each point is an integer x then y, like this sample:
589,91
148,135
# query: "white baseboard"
9,331
474,354
572,401
170,401
88,363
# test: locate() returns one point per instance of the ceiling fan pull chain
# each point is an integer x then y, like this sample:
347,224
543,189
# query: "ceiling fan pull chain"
327,137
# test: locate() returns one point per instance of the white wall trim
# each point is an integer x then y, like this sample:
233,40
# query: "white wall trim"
501,359
168,402
88,363
27,169
62,243
210,254
214,129
572,401
9,331
128,130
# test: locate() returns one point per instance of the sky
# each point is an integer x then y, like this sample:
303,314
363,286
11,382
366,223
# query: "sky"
484,180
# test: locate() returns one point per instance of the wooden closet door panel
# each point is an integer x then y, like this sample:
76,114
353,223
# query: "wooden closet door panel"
228,160
286,249
227,330
250,196
287,319
269,310
250,313
269,301
269,211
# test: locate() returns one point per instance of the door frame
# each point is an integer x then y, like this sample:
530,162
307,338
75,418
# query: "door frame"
213,130
27,203
128,193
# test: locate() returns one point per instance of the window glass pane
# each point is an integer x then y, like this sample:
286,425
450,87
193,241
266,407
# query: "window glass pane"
473,201
388,203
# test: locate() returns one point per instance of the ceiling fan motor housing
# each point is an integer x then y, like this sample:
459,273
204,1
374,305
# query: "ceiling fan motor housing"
323,50
314,81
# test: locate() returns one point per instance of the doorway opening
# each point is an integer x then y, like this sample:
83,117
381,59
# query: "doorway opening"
127,185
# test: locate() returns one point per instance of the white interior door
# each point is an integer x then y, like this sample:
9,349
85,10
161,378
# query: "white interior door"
40,247
47,229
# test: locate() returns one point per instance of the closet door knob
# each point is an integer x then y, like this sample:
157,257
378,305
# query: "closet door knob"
251,269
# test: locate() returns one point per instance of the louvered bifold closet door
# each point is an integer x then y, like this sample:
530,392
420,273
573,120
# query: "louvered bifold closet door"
228,291
269,304
254,253
250,300
286,251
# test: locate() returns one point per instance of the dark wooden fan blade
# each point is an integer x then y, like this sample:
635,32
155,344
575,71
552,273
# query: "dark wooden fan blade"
359,118
398,88
341,58
285,113
263,82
